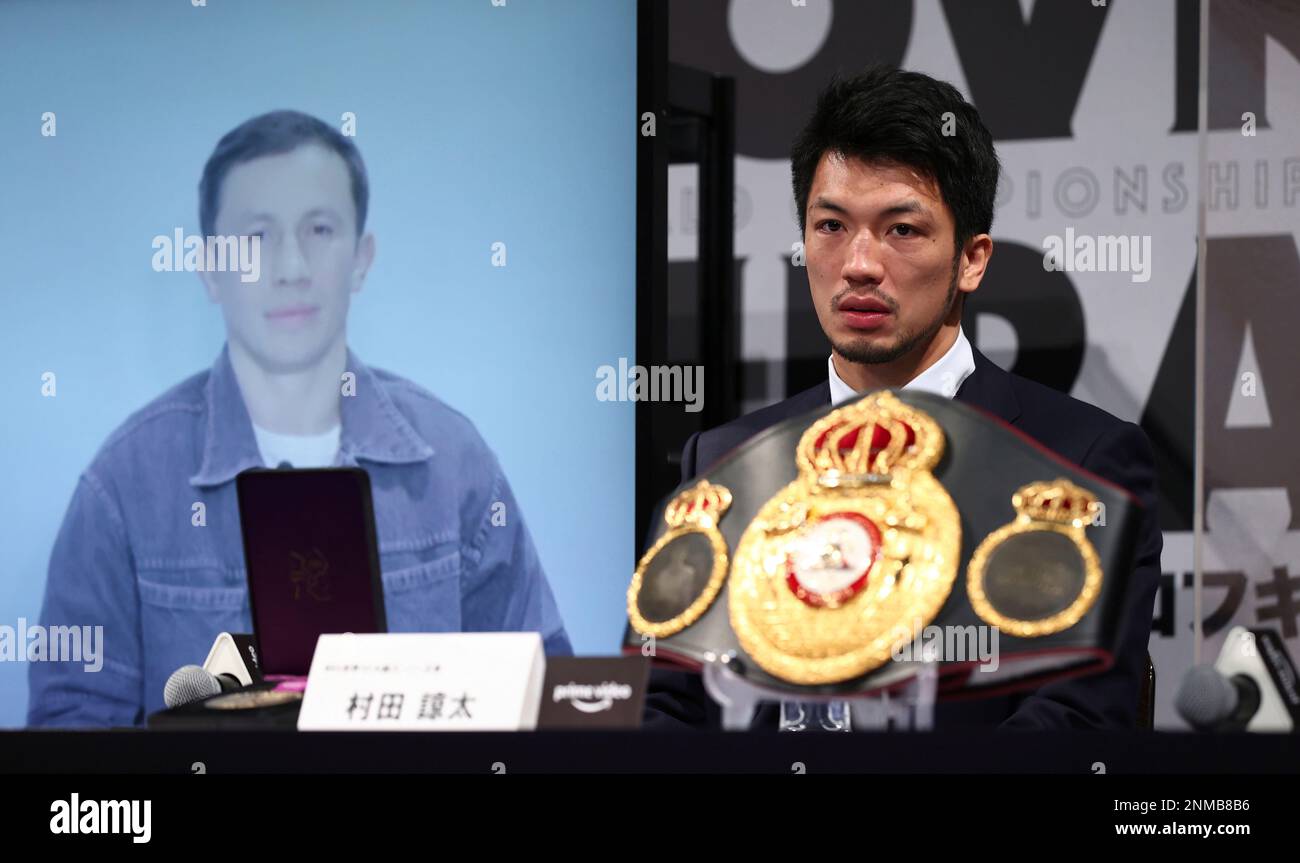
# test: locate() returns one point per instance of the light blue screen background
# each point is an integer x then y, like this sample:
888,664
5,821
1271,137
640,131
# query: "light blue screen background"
477,123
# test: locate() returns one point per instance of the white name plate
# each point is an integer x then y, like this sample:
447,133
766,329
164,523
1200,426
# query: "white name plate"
456,681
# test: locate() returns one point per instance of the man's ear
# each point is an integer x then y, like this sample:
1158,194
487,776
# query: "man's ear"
974,261
365,257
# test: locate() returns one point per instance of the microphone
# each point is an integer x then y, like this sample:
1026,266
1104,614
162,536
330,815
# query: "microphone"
192,682
1252,686
1210,701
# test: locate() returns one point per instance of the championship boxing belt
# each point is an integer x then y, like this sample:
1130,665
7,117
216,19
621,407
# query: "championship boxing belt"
828,547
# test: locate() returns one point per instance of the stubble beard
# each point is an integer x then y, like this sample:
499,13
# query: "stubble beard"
868,353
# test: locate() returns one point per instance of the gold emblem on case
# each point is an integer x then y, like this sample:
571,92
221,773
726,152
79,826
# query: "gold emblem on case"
1061,588
694,512
856,555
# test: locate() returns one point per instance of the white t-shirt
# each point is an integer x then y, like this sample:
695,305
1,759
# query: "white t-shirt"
319,450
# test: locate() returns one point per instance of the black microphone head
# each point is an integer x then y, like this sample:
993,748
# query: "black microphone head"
284,465
1206,698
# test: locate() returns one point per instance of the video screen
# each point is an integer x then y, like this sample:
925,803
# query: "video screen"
241,234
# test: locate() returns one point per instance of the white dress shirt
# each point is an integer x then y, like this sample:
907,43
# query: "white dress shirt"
943,378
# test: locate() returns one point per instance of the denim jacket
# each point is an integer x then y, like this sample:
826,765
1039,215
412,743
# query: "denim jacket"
131,557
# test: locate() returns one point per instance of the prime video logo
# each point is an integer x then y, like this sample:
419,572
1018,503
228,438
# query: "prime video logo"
84,644
1102,254
951,644
592,699
216,254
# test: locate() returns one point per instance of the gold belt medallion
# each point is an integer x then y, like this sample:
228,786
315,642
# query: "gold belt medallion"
856,555
1038,574
679,577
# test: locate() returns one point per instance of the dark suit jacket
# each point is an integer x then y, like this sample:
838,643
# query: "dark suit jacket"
1084,434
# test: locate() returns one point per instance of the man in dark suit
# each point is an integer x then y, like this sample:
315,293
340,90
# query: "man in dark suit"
894,178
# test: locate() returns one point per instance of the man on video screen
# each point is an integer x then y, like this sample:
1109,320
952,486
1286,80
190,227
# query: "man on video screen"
150,546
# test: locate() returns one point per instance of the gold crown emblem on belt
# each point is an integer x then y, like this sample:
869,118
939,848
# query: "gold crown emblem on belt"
1060,501
856,554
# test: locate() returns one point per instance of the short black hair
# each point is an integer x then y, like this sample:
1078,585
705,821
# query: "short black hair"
888,114
271,134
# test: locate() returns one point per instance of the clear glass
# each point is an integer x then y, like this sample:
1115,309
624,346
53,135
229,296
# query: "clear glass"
815,715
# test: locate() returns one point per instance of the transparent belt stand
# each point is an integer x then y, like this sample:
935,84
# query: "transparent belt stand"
909,707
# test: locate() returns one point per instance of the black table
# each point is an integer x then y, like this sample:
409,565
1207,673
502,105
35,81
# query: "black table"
287,751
